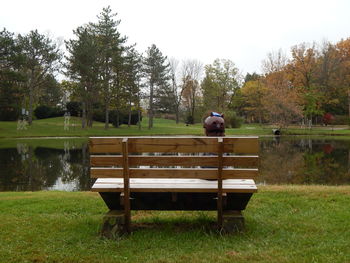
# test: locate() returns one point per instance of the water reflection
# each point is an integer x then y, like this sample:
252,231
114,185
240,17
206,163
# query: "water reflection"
285,160
292,160
28,168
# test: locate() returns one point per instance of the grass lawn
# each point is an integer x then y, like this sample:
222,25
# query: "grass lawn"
54,127
283,224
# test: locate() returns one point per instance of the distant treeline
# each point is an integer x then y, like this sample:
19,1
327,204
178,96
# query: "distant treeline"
109,80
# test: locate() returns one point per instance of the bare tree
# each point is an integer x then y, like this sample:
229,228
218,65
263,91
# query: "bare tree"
191,75
176,89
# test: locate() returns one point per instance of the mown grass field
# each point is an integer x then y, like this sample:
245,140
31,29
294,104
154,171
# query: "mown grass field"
283,224
55,127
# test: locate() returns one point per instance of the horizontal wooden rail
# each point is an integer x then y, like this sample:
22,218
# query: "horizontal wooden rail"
238,145
199,173
134,160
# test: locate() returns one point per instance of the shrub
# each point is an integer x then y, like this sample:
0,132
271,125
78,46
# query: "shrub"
100,115
9,113
74,108
341,120
189,119
44,112
233,120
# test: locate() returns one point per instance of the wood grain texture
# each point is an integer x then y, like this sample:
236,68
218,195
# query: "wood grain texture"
239,145
201,173
137,160
174,185
105,144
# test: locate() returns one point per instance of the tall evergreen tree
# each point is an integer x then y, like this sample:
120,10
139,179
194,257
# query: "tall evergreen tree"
157,74
110,48
132,80
82,66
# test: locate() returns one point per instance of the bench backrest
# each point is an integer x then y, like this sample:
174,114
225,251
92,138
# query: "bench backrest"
172,157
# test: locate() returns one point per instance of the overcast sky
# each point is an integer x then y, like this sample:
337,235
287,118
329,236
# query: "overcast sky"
242,31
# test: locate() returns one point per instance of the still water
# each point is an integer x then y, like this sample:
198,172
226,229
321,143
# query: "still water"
63,164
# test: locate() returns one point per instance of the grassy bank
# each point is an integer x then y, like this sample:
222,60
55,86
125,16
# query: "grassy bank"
284,224
54,127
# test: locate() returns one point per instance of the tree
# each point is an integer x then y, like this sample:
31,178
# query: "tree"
191,76
253,93
110,48
157,73
328,65
302,70
52,93
176,90
221,81
82,67
132,80
42,57
343,74
11,76
281,101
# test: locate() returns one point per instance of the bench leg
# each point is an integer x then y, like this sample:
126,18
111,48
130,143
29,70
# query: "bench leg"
113,224
233,221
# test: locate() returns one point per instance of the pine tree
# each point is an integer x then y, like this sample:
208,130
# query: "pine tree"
157,73
110,49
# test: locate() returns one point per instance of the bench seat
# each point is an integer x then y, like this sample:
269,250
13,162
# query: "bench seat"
174,185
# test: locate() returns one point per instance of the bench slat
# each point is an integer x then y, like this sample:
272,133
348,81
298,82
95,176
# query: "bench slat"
203,173
247,145
115,160
105,145
238,145
149,185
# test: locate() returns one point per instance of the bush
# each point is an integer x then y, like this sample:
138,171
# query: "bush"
233,120
74,108
341,120
189,119
9,113
100,115
44,112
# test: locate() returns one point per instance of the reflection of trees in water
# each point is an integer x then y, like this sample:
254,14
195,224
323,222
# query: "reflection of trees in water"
280,162
79,168
24,171
294,161
305,161
24,168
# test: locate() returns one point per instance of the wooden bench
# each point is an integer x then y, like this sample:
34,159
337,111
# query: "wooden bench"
173,173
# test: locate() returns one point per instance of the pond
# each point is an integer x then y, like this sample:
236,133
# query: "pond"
63,164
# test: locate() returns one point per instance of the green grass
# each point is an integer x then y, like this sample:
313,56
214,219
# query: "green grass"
54,127
283,224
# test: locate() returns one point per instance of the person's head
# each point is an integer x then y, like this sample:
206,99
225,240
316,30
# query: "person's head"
214,125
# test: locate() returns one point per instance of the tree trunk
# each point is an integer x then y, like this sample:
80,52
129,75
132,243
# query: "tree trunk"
129,117
83,117
150,113
117,124
138,110
177,115
31,101
139,118
107,117
89,114
349,101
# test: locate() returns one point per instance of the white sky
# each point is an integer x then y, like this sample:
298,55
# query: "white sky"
243,31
